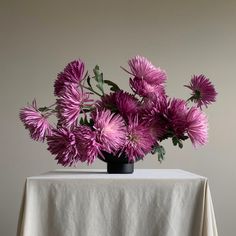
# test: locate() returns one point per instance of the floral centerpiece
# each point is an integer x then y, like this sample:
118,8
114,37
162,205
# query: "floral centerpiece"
118,125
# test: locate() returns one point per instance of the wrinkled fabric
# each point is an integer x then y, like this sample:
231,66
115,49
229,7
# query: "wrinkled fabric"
93,203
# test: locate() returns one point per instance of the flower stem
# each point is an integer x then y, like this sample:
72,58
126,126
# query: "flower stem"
52,105
90,89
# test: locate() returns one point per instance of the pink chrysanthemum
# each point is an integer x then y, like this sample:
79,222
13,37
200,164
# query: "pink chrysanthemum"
156,129
204,92
145,89
148,80
72,74
169,115
121,102
110,130
108,101
62,143
70,105
87,144
126,103
197,126
176,115
36,122
139,140
144,69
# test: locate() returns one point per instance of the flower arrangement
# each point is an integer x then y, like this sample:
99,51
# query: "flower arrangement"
92,121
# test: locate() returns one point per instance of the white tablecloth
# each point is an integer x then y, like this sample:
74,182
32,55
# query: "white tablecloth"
93,203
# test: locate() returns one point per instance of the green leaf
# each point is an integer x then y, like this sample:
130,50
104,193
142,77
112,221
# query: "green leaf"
180,143
175,141
88,81
98,78
100,87
114,87
81,121
96,68
154,149
96,72
184,137
84,121
43,109
91,122
160,152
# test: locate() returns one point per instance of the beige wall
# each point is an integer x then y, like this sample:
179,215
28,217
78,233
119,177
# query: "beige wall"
184,37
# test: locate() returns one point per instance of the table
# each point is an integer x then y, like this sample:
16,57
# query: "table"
149,202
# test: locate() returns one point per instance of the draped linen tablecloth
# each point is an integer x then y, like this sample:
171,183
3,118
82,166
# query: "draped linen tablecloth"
93,203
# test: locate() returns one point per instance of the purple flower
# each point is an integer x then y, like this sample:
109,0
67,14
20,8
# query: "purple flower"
119,123
70,105
121,102
72,74
143,69
62,143
169,115
203,91
197,126
87,144
148,80
145,89
108,101
110,130
36,122
176,116
126,103
139,140
155,128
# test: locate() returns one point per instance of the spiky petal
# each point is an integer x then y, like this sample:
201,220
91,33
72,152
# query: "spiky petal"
108,101
203,91
148,80
143,69
87,143
169,115
62,143
145,89
70,105
126,103
72,75
36,122
176,116
197,126
139,140
110,130
120,101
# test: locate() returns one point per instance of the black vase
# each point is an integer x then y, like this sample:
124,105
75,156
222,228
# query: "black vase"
117,164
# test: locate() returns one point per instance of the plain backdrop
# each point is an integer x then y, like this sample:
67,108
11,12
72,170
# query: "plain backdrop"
184,37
